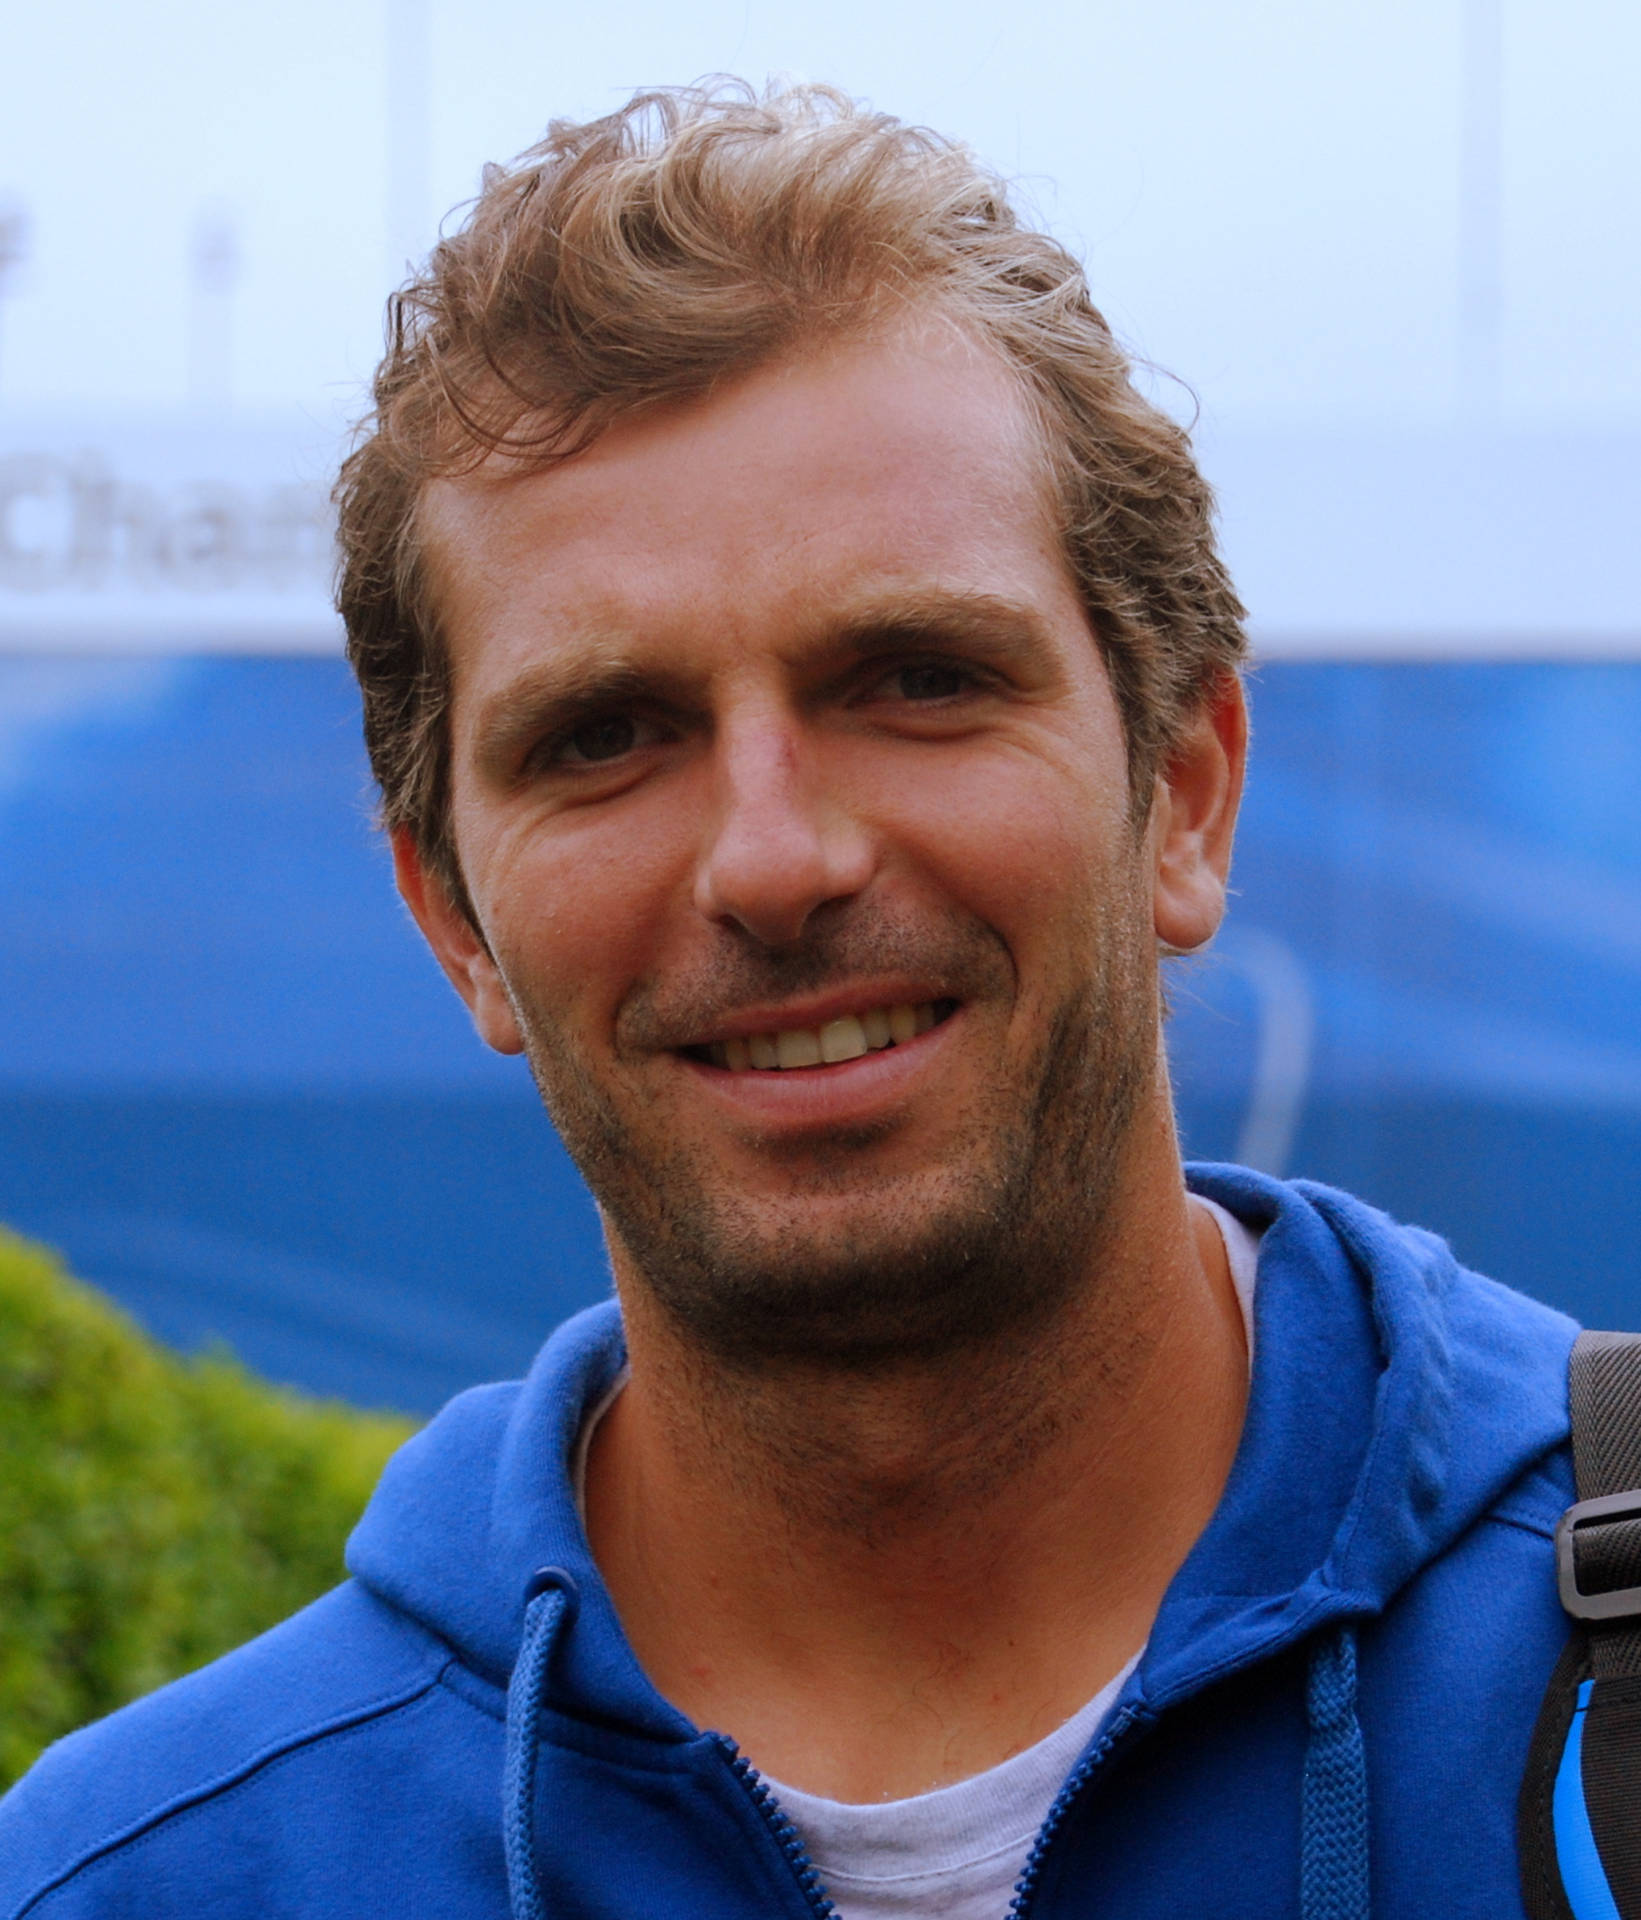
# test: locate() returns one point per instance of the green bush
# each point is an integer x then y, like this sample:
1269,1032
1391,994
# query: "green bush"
154,1511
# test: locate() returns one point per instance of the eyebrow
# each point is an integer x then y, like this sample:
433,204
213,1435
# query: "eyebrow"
986,624
544,696
601,670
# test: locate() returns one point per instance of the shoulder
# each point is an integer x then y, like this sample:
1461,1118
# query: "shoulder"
343,1670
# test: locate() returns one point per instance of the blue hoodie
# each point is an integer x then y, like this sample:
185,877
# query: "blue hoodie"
1390,1510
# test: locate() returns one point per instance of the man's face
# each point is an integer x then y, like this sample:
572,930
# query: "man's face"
778,731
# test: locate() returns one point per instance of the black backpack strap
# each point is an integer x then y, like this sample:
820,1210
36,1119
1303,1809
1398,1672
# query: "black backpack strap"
1580,1817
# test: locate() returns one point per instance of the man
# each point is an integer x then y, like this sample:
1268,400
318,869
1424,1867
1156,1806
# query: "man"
804,693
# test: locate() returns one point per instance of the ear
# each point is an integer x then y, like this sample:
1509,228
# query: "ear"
457,946
1193,817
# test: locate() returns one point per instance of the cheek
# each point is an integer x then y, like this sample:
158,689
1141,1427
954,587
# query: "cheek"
1032,845
576,910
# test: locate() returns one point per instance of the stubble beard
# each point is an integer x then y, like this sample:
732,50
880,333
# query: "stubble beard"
989,1245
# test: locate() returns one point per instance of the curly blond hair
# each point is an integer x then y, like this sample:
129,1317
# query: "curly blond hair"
699,232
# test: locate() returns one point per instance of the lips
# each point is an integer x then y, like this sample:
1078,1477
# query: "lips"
846,1037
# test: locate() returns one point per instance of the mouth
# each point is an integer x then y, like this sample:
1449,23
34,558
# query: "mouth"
832,1043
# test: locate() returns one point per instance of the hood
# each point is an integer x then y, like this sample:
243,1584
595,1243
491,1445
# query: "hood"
1394,1398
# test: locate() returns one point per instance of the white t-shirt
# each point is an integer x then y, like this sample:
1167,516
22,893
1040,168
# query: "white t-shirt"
956,1853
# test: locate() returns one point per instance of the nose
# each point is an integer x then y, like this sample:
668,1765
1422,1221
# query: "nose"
781,842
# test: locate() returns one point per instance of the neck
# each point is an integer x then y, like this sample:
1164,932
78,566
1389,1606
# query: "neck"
881,1579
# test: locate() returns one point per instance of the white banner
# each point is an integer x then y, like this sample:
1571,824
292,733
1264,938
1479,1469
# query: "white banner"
167,536
1433,545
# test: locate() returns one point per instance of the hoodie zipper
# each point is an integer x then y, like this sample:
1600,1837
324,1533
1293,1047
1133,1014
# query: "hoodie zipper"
1025,1888
792,1847
785,1834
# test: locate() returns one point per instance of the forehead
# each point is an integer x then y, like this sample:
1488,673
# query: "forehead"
908,463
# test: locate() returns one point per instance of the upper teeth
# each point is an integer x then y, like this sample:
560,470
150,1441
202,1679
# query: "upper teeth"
843,1039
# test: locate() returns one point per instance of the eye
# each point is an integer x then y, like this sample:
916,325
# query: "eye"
600,740
606,738
931,680
927,682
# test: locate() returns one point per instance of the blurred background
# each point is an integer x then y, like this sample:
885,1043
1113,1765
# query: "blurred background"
1391,247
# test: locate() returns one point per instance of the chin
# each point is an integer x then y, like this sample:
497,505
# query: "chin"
915,1270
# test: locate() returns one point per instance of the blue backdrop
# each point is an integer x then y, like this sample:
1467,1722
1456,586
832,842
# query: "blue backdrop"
235,1091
